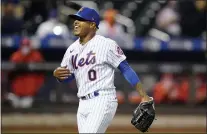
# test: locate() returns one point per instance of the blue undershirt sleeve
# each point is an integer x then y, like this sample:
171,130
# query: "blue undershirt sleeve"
128,73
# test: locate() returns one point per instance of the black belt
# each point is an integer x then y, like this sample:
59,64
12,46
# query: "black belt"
89,96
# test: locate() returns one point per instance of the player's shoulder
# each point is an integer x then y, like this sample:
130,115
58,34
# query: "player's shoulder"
105,40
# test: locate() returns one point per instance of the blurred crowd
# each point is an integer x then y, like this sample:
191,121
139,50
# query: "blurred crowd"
42,19
183,18
31,18
45,18
172,89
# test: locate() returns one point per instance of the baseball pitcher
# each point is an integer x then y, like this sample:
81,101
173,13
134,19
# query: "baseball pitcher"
91,60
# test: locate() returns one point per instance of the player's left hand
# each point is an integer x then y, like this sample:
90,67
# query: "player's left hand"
144,114
146,98
61,73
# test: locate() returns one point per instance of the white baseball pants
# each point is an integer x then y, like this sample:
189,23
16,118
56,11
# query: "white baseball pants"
95,115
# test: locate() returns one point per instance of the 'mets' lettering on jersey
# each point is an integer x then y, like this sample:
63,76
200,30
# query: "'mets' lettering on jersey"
90,59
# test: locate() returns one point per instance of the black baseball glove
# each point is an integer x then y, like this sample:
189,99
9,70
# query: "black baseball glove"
143,116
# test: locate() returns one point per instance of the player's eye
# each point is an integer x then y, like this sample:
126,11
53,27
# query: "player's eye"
76,22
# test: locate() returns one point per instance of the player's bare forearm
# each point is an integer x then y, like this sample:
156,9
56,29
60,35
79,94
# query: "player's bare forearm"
142,92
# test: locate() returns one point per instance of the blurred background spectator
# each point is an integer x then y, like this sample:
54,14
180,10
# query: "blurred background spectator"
25,83
180,92
164,88
53,28
168,19
109,27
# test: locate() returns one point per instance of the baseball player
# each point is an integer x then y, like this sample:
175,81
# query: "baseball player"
91,60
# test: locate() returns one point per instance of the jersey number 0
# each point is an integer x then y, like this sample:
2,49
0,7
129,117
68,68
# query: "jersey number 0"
92,75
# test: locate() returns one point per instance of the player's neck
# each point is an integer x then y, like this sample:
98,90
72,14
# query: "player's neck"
84,40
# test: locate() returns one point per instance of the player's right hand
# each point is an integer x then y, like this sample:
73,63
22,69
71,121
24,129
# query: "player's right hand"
61,73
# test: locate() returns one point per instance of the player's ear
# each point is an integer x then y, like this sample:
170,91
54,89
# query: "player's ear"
93,25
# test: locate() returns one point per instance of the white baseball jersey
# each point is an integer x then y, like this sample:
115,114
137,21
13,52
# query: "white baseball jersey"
93,64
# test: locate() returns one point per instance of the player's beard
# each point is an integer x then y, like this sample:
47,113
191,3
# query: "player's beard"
80,32
76,33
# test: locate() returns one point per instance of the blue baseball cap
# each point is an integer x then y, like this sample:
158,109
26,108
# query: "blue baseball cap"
87,14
